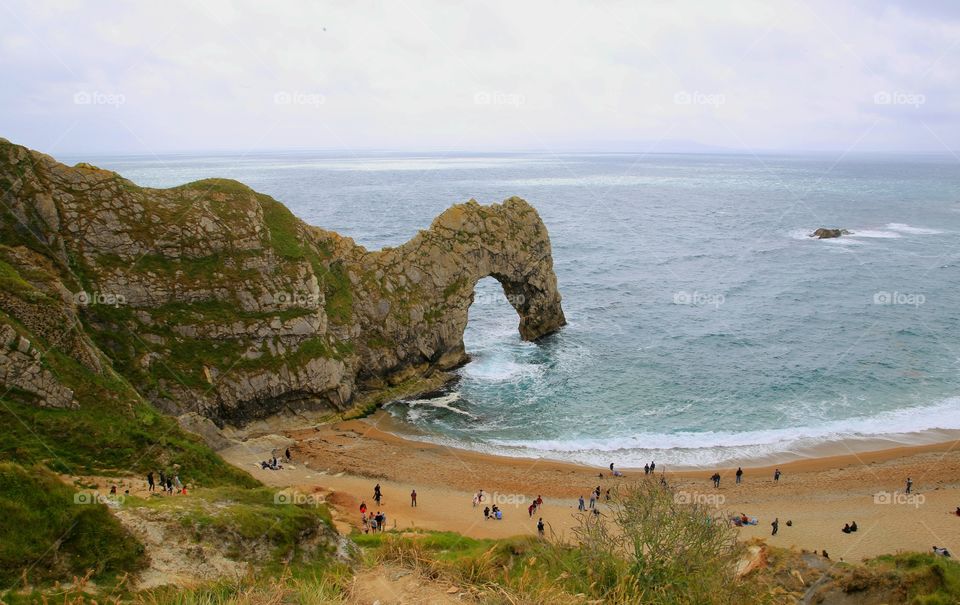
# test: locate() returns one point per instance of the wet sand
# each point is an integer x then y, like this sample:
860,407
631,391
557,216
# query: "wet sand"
819,495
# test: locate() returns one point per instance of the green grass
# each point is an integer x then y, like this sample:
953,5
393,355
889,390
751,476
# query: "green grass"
247,518
928,579
45,534
284,228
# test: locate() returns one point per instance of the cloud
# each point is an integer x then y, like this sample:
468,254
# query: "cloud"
499,75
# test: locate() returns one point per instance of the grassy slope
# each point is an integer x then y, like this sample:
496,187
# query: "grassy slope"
45,534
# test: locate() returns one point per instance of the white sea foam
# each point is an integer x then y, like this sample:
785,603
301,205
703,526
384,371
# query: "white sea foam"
904,228
444,402
690,449
873,233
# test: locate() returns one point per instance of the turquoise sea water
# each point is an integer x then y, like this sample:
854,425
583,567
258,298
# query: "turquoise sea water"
704,325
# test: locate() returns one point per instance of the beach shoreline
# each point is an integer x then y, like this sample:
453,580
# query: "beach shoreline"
344,460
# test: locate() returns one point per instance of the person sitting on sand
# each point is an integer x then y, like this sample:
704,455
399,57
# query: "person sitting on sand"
958,511
744,519
846,528
943,552
853,527
825,555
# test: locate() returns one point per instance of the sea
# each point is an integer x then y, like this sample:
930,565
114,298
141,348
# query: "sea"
705,326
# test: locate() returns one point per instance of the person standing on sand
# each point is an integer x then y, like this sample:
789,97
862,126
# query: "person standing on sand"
582,507
413,498
776,475
377,495
646,469
363,507
540,527
287,453
151,485
653,466
739,475
776,526
716,480
539,501
909,484
593,500
611,467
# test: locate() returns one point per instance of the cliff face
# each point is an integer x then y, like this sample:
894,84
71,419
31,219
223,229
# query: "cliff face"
210,297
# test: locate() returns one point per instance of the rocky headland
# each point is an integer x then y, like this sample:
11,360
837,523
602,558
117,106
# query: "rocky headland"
215,300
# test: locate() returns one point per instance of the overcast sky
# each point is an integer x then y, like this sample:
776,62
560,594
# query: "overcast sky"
150,77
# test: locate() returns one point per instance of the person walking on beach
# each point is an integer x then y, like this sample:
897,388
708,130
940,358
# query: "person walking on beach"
363,507
653,466
646,469
909,484
776,475
776,526
150,484
739,475
582,507
413,498
377,495
540,527
593,500
538,501
716,480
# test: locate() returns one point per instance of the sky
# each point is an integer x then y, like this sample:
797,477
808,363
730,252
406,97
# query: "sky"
638,75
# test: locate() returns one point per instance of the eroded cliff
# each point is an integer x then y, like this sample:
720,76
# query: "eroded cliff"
213,298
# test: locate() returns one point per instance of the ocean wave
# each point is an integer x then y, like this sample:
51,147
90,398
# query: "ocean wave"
697,449
443,402
873,233
904,228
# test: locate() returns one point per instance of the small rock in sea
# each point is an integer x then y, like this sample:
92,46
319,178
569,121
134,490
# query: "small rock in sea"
824,233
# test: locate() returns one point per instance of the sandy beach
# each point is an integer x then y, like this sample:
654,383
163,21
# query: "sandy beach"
343,461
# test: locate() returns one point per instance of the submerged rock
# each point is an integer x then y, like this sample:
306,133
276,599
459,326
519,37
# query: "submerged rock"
215,299
824,233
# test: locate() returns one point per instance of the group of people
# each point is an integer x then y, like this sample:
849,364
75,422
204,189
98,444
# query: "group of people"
493,513
274,464
167,483
373,523
739,475
849,528
535,506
